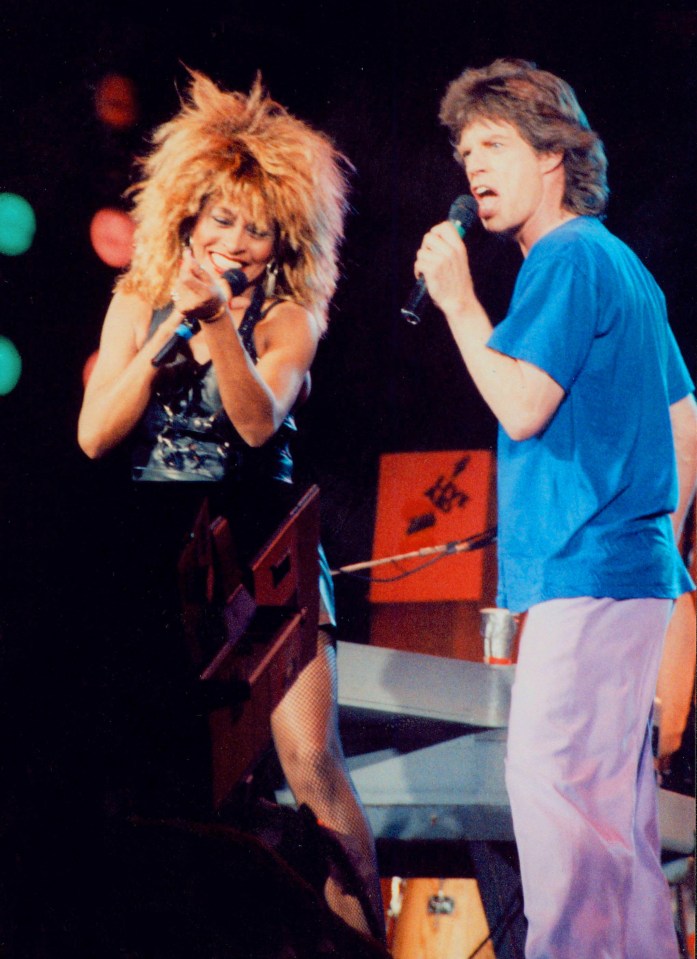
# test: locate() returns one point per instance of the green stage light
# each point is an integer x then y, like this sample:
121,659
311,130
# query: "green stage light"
17,224
10,366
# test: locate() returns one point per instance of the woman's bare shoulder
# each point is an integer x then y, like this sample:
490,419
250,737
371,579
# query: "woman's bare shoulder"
288,314
128,315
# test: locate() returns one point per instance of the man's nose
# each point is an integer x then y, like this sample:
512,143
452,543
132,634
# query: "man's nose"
474,163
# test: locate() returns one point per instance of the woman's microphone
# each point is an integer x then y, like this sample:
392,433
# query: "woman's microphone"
462,214
237,282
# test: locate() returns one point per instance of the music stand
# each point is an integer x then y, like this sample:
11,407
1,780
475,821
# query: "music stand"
269,614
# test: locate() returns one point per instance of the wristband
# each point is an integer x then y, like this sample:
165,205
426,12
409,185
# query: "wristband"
213,318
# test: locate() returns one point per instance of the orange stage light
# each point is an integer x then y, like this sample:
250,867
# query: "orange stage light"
115,101
111,233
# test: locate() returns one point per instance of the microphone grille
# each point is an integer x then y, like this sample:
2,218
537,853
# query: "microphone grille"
463,210
237,280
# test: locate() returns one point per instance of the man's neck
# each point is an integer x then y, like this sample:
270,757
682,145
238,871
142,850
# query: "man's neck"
534,231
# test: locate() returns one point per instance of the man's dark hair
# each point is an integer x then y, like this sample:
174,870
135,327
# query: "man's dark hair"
546,113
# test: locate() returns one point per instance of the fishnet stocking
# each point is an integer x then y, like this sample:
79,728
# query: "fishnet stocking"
306,735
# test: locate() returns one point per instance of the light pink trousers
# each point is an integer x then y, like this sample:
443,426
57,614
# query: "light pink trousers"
579,772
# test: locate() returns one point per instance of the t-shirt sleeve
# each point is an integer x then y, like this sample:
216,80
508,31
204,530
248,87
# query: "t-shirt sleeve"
552,319
678,380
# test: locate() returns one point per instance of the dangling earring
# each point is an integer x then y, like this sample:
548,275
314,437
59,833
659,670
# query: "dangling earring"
272,269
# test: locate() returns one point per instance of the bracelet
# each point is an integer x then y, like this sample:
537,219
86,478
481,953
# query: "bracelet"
214,317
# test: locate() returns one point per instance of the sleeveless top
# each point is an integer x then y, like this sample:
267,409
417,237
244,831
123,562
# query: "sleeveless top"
186,435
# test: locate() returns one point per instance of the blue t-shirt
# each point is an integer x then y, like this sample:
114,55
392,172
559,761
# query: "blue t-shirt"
584,506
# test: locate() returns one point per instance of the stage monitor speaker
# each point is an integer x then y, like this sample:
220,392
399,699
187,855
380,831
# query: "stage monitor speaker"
429,499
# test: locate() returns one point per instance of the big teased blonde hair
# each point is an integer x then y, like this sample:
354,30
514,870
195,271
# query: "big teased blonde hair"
245,149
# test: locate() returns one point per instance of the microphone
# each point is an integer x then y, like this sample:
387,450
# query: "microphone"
238,283
462,214
236,280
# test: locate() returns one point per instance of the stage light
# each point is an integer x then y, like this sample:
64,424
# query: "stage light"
17,224
115,101
10,366
111,233
88,367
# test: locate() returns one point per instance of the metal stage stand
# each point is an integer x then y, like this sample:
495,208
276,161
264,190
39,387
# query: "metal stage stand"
424,737
425,740
435,730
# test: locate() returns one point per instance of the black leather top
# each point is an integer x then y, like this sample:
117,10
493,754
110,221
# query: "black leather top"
186,435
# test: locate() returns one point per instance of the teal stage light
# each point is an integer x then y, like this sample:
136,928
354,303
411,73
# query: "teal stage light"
17,224
10,366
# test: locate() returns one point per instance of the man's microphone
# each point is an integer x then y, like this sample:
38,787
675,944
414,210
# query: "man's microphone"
238,283
462,214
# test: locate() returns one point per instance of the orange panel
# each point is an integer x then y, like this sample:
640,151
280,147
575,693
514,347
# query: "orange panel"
430,499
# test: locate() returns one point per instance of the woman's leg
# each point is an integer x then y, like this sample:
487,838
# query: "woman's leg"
306,735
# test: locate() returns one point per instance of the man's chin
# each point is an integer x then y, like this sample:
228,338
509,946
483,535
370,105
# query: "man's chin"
501,232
